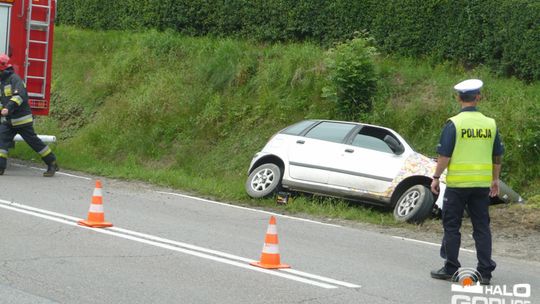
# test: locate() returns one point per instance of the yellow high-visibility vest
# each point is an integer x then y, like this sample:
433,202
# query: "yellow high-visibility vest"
471,163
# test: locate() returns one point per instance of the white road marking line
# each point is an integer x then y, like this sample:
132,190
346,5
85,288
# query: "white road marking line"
169,247
205,200
428,243
233,257
202,199
218,256
181,244
73,175
58,172
316,277
250,209
243,208
30,208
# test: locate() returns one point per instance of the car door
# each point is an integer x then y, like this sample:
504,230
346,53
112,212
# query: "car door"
367,163
311,155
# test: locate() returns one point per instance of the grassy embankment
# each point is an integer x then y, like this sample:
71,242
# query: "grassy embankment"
189,113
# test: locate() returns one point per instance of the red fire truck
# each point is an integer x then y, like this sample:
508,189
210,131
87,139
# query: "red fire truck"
26,35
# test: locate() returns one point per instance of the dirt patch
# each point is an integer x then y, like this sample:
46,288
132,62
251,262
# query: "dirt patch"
515,230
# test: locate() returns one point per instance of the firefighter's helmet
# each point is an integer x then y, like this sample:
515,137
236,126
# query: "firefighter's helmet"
4,62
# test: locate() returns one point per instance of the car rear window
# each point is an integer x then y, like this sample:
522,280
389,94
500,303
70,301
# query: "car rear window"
330,131
297,128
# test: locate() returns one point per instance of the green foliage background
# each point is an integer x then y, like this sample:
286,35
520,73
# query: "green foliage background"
352,77
190,112
501,34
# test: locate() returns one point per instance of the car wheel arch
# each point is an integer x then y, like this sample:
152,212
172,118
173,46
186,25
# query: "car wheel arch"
406,184
273,159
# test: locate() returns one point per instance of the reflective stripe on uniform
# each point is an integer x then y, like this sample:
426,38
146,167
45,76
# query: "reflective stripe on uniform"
471,167
21,120
3,153
45,151
468,178
7,90
470,174
17,99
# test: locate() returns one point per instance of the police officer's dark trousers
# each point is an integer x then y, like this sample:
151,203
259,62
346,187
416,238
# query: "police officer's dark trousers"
7,133
477,201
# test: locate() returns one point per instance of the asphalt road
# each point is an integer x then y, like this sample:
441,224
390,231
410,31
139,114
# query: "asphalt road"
166,247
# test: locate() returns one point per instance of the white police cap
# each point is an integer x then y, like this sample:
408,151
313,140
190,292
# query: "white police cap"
469,86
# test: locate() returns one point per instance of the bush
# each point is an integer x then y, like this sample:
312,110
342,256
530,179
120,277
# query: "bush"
496,33
352,77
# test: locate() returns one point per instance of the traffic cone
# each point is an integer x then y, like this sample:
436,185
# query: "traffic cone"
270,253
96,216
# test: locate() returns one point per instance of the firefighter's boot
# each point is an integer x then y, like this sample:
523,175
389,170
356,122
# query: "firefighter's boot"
51,169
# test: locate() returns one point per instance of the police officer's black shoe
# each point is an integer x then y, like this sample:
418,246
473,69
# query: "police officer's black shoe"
441,274
51,169
1,171
485,281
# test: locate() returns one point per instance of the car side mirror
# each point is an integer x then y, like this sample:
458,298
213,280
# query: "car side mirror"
396,147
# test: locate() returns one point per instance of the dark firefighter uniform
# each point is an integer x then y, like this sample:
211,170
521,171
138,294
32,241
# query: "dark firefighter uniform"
19,120
471,141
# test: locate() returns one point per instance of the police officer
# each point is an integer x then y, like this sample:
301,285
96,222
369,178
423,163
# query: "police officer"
16,118
471,149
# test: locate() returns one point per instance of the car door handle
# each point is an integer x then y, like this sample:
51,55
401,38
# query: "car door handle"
349,150
300,141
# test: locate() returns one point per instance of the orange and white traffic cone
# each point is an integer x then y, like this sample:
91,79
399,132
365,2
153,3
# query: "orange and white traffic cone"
96,216
270,253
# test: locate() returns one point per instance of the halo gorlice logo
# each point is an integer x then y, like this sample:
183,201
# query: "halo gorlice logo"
467,290
467,277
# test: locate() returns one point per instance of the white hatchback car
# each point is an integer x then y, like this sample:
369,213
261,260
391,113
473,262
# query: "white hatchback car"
348,160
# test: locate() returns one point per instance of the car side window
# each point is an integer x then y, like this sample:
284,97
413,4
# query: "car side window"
298,128
372,138
330,131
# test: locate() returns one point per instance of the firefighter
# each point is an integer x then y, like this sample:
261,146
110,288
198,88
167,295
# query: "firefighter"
471,149
16,118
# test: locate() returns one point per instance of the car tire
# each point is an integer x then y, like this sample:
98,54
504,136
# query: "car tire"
264,181
414,205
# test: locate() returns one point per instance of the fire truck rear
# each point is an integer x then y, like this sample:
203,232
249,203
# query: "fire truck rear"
26,36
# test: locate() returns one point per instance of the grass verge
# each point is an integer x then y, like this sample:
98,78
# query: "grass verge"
189,113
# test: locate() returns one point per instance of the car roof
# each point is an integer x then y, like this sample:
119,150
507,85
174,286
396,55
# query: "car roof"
349,122
359,124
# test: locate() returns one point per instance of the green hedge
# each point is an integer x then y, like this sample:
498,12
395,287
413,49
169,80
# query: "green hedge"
503,34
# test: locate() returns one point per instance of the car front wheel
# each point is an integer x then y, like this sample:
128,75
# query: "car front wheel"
263,181
414,205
